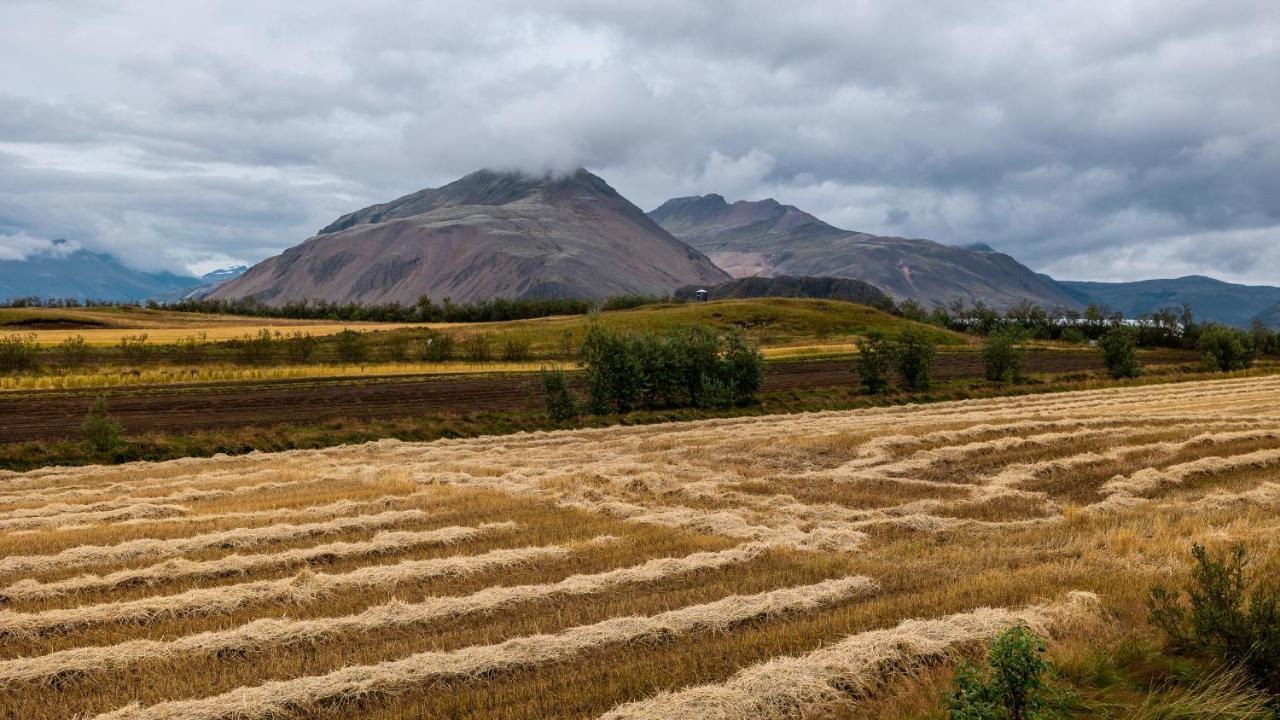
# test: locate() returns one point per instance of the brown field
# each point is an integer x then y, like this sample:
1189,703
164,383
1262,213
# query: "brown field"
818,565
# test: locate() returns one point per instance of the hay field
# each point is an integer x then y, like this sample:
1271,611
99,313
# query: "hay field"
766,567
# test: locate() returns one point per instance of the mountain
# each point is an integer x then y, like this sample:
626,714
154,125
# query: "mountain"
489,234
825,288
208,282
1210,299
768,238
63,272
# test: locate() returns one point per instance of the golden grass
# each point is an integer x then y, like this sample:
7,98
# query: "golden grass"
784,566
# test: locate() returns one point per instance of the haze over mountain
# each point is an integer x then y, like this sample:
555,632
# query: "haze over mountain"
1211,299
768,238
66,271
489,234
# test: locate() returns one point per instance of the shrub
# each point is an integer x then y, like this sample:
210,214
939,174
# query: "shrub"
190,349
74,349
299,347
516,349
743,369
256,349
1073,334
1231,614
612,370
875,355
19,352
477,347
1225,349
561,403
1002,359
351,346
135,348
438,347
99,431
914,353
1120,352
395,346
1013,687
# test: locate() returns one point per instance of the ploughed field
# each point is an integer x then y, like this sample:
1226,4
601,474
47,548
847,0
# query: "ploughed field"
57,414
778,566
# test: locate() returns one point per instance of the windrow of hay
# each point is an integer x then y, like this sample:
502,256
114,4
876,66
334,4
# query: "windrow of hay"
333,509
302,588
834,676
270,633
188,494
282,697
182,569
130,512
148,548
1126,491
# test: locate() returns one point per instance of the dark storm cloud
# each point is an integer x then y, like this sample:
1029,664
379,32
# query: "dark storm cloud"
1092,140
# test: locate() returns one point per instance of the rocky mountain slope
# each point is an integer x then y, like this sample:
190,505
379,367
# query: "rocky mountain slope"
63,272
768,238
489,234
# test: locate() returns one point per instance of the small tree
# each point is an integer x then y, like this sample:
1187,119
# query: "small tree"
914,353
19,352
135,348
1120,352
742,369
1231,614
256,349
477,347
438,347
561,403
99,431
351,347
190,350
516,349
1225,349
75,350
1013,687
1002,359
875,355
300,347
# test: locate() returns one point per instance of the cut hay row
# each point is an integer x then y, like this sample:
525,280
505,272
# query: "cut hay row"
148,548
338,508
1267,493
130,512
67,491
274,633
835,676
383,543
282,697
304,587
185,494
1127,491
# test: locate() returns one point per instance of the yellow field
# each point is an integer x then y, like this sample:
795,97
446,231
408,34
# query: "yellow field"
642,572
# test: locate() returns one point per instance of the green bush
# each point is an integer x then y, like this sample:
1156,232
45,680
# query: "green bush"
1002,359
395,346
75,350
742,369
300,347
256,349
1225,349
1073,334
1120,352
190,350
914,353
135,348
516,349
612,369
438,347
561,403
351,347
1014,686
100,432
19,352
1231,614
875,355
477,347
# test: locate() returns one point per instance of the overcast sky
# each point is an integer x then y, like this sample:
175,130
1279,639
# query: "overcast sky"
1095,139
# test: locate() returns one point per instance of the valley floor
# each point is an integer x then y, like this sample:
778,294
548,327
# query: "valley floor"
628,572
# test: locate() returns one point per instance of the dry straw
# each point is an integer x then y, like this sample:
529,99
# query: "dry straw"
181,569
797,687
148,548
282,697
273,633
302,588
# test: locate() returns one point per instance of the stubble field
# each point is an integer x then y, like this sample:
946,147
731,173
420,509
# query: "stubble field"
778,566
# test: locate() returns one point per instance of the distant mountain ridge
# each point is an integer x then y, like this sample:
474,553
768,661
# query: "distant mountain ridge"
1211,299
489,234
84,275
768,238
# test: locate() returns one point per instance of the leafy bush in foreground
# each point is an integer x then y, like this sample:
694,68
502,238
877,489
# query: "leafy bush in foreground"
914,353
561,403
1225,349
99,431
1014,687
1002,359
1120,352
874,358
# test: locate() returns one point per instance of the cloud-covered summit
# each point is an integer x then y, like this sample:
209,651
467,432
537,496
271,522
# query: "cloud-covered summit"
1094,140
